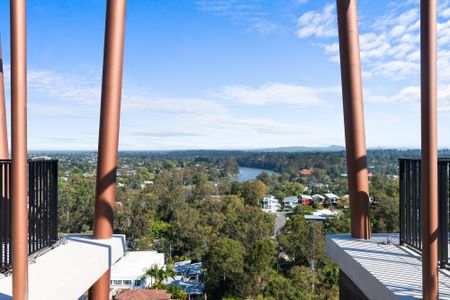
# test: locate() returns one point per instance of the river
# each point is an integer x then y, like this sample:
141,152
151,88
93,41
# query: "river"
249,173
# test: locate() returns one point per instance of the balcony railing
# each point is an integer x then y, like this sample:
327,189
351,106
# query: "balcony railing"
42,208
410,206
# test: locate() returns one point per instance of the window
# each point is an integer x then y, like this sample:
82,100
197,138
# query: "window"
137,283
127,282
116,282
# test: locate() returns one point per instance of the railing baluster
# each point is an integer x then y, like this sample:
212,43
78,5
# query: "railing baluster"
42,208
410,212
402,201
408,201
415,240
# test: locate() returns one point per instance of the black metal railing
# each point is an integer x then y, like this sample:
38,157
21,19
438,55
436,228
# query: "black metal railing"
410,206
42,207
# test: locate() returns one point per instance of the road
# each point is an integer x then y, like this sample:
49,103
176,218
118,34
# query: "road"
280,221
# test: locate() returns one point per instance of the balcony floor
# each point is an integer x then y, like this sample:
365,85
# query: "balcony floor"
68,270
382,271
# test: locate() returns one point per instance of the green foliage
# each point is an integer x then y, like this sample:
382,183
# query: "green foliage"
174,290
302,210
253,192
385,206
339,223
225,266
159,274
76,211
178,214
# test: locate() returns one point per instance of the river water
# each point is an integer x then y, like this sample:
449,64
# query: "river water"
249,173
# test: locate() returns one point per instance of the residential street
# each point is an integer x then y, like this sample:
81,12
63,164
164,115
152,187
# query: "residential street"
280,221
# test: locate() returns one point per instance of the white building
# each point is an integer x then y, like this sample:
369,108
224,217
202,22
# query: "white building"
271,204
128,272
320,215
290,202
331,198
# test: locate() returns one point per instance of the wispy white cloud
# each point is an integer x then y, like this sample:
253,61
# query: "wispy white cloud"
389,43
318,23
84,89
411,95
249,12
160,133
389,49
179,121
277,93
169,105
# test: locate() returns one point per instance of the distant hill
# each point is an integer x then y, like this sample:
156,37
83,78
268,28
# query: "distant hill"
332,148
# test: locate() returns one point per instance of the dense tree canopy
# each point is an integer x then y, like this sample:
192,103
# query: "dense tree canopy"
187,205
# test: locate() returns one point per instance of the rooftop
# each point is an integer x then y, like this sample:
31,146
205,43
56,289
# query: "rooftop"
144,295
382,271
134,263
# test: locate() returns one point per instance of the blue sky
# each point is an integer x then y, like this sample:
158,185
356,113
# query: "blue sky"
218,74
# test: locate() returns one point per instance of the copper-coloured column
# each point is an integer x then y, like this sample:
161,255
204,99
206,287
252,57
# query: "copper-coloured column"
109,132
355,140
429,149
3,131
19,150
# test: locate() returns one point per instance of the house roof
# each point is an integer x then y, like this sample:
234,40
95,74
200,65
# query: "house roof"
134,264
306,197
195,269
144,294
306,172
331,195
182,266
190,287
290,199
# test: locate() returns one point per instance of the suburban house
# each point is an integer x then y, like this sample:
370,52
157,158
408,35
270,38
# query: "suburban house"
318,198
331,199
305,172
189,277
320,215
305,199
271,204
290,202
129,271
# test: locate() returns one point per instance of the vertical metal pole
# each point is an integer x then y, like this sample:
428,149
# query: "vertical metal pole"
429,148
3,131
402,200
19,149
355,140
109,132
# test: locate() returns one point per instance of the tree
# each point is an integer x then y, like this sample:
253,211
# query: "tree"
339,223
159,274
385,214
225,267
259,260
303,242
253,191
76,204
201,188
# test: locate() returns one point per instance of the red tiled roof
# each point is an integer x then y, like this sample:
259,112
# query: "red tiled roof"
143,294
306,172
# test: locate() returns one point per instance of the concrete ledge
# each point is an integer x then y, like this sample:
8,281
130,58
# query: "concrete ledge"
382,271
68,270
